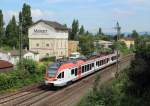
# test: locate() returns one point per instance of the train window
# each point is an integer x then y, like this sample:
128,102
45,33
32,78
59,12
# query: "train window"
96,63
85,68
101,62
76,72
107,60
62,75
88,67
72,71
82,69
92,64
59,76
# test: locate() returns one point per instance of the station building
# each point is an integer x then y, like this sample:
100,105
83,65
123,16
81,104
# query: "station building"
48,39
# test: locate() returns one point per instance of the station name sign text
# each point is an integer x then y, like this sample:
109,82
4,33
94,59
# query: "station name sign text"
40,31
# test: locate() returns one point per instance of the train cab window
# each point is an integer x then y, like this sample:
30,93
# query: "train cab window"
59,76
76,71
72,71
62,76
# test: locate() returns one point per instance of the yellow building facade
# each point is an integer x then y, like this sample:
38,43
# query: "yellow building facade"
128,41
72,46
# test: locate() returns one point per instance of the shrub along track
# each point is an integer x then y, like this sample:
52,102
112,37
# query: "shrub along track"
42,96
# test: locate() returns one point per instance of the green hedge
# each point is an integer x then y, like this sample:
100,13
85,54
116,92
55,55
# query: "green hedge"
30,73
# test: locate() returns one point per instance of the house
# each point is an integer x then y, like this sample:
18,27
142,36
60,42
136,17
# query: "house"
128,41
105,44
15,54
48,39
72,46
4,56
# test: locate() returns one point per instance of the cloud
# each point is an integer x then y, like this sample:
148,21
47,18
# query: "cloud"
8,15
138,2
41,14
123,13
69,1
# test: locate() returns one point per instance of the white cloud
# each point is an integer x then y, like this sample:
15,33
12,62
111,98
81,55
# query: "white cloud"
70,1
138,2
41,14
8,15
123,13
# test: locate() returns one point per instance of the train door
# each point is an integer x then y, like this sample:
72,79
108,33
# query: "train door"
79,72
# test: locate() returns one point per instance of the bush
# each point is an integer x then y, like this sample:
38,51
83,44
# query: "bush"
46,59
30,73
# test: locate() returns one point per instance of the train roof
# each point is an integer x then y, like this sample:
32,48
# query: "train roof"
65,63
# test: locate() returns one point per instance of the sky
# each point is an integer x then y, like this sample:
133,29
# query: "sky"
131,14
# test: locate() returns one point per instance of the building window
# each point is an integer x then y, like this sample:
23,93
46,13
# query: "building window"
47,45
37,45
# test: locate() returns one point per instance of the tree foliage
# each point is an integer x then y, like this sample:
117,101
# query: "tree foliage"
86,44
82,30
12,33
26,20
74,30
1,28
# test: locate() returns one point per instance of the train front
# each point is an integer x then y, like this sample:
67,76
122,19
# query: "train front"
51,72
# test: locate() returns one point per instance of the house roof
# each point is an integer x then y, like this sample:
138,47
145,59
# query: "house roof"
53,24
5,64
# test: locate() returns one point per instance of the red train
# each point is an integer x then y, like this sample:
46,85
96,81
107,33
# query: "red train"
61,74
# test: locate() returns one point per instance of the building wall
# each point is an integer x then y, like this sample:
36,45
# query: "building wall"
49,42
72,46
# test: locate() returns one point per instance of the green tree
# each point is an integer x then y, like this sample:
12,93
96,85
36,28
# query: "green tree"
81,31
86,44
12,33
1,28
26,19
75,30
134,34
100,31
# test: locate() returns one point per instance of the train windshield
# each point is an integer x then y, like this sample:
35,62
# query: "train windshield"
52,69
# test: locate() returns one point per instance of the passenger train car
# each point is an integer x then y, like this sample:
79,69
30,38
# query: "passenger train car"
61,74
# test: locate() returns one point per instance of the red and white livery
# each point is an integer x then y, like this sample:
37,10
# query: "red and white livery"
61,74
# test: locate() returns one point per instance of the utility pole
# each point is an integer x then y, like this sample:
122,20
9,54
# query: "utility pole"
20,45
118,28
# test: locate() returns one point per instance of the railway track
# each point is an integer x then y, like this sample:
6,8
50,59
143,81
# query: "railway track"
40,95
